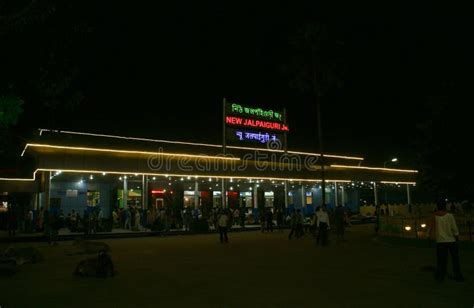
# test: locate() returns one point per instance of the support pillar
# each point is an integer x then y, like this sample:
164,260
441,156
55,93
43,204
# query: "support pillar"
223,194
36,206
196,193
286,194
47,189
255,196
144,192
125,192
343,197
376,196
408,194
303,197
336,197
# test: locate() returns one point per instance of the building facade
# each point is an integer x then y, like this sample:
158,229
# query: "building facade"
75,170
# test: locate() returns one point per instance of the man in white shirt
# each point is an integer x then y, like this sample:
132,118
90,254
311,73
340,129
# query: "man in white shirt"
445,230
222,222
323,225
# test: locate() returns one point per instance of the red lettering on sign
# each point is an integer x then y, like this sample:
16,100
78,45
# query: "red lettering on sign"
256,123
233,120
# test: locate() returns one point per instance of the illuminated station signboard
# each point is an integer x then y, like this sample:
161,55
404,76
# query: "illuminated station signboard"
254,125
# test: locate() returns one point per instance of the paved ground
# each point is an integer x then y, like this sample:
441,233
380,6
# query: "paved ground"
254,270
65,234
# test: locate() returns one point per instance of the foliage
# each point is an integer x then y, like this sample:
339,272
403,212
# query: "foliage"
44,40
317,62
11,108
442,151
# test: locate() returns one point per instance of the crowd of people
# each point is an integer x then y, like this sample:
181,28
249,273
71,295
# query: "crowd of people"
443,225
50,221
318,224
135,218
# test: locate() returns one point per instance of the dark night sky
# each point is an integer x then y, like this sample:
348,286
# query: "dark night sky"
162,72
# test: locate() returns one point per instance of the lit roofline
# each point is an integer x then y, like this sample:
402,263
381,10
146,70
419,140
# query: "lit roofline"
194,143
191,175
402,183
127,151
126,138
374,168
296,152
187,175
21,179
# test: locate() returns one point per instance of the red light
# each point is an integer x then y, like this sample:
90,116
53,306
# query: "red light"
157,191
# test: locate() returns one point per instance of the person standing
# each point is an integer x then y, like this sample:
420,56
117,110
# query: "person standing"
242,217
377,219
279,219
54,225
137,220
12,220
223,224
40,220
100,220
73,227
445,230
339,220
29,221
299,223
261,216
128,219
269,219
292,224
313,223
236,216
187,219
323,226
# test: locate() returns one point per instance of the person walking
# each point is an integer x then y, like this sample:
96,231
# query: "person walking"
223,224
444,229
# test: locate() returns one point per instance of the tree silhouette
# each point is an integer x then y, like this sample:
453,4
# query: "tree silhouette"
442,148
316,68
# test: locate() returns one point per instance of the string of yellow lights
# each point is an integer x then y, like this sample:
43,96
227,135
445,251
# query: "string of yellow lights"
374,168
196,144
